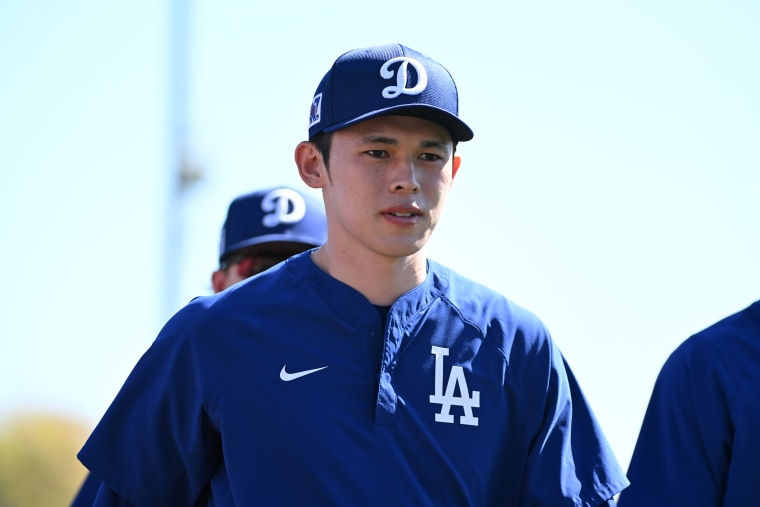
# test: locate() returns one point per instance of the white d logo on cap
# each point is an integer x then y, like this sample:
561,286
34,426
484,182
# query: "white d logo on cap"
277,204
391,92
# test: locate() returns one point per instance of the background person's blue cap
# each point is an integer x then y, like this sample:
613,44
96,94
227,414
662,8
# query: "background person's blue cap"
273,215
381,80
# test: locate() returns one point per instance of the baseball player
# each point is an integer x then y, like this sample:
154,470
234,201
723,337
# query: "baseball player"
699,442
262,228
361,372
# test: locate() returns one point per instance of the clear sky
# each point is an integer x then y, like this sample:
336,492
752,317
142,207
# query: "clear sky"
613,185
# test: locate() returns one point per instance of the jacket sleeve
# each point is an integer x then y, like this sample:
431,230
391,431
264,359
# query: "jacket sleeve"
683,449
156,445
569,461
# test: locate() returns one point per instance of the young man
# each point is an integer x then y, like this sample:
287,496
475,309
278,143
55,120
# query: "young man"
360,373
262,228
699,443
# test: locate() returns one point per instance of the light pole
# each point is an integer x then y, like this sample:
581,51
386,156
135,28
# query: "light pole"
183,173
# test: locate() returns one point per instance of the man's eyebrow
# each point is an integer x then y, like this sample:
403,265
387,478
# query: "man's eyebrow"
430,143
441,145
372,139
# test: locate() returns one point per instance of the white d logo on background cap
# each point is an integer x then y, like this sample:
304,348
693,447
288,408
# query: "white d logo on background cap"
278,203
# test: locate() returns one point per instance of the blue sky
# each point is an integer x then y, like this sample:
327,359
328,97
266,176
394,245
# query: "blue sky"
613,185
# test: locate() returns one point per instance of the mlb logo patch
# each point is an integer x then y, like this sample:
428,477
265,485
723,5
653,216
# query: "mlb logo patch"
315,115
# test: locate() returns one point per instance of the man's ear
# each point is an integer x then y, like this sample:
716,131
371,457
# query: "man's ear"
311,167
218,278
455,165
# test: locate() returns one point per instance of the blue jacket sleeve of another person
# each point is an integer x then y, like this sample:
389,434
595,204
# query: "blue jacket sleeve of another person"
699,442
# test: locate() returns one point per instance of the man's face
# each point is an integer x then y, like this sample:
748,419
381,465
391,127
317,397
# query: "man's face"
388,181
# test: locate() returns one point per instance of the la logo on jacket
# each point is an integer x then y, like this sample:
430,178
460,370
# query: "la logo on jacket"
447,399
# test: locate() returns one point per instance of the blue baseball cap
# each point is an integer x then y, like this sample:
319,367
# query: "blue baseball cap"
277,214
381,80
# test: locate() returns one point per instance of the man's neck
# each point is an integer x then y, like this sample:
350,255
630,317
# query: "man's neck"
379,278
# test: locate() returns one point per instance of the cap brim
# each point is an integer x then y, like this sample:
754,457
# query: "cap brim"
458,129
271,238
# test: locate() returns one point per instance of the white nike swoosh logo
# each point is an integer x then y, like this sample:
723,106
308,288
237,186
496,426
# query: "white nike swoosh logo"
287,377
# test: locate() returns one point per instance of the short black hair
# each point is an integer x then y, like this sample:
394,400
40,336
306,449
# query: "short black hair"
323,142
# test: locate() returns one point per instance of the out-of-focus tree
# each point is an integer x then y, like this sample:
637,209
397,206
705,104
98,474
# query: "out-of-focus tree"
38,464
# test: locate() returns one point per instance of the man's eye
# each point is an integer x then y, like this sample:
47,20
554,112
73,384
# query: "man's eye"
430,157
376,153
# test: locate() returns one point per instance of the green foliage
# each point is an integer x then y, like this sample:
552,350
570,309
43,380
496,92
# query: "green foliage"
38,465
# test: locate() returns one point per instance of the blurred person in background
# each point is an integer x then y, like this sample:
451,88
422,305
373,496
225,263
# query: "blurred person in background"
264,228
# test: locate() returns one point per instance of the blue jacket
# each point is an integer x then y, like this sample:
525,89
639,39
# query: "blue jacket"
288,390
